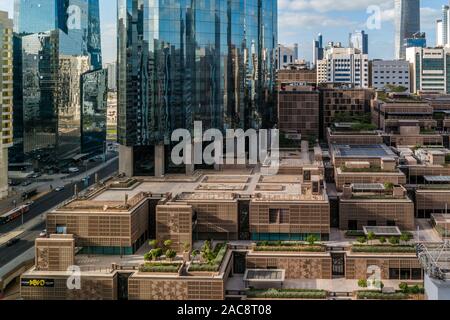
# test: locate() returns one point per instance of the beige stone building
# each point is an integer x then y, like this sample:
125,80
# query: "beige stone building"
373,205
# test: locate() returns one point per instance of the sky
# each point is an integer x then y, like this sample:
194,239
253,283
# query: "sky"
300,21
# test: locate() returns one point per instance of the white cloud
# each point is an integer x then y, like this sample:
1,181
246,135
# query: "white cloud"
331,5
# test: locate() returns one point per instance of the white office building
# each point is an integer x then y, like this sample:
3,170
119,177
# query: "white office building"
344,65
429,69
390,72
286,56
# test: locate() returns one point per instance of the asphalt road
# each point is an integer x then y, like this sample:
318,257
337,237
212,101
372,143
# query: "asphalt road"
39,207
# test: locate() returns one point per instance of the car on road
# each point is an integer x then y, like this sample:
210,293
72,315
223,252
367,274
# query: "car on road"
26,183
60,188
74,170
13,183
29,203
43,233
12,242
35,175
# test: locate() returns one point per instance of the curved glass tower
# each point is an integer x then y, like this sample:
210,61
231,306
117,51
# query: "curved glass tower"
181,61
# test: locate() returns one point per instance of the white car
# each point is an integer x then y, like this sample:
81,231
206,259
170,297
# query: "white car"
60,188
74,170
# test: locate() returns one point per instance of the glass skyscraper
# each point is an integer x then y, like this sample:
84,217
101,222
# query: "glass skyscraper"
359,40
407,23
94,96
182,61
57,42
79,21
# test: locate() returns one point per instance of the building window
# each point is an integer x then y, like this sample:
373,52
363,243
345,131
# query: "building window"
416,274
372,223
306,175
273,216
391,223
352,225
61,229
278,216
394,273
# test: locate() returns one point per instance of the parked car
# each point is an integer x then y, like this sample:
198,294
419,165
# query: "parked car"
12,242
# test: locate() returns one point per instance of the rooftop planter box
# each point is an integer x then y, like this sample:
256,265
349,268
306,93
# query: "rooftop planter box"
376,295
266,246
211,267
160,267
287,294
383,248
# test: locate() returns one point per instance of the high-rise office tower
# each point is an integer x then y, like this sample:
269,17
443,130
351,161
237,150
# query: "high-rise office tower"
57,42
189,60
407,23
443,27
6,97
439,33
77,20
318,50
359,40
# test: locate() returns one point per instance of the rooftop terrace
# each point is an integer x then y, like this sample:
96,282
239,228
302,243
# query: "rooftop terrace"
363,151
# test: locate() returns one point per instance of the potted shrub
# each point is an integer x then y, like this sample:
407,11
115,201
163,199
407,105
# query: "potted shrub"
170,254
393,240
156,253
148,256
362,283
311,239
382,240
167,244
362,240
405,237
153,243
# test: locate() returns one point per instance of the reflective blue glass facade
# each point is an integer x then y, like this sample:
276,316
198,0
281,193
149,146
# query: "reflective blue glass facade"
182,61
57,42
79,21
94,94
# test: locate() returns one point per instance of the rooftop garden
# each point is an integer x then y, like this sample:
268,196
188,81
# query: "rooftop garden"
210,260
373,244
427,131
160,267
160,250
364,119
384,96
355,129
377,295
291,246
404,292
287,294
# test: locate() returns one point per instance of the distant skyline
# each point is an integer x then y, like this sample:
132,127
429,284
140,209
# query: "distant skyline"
301,20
